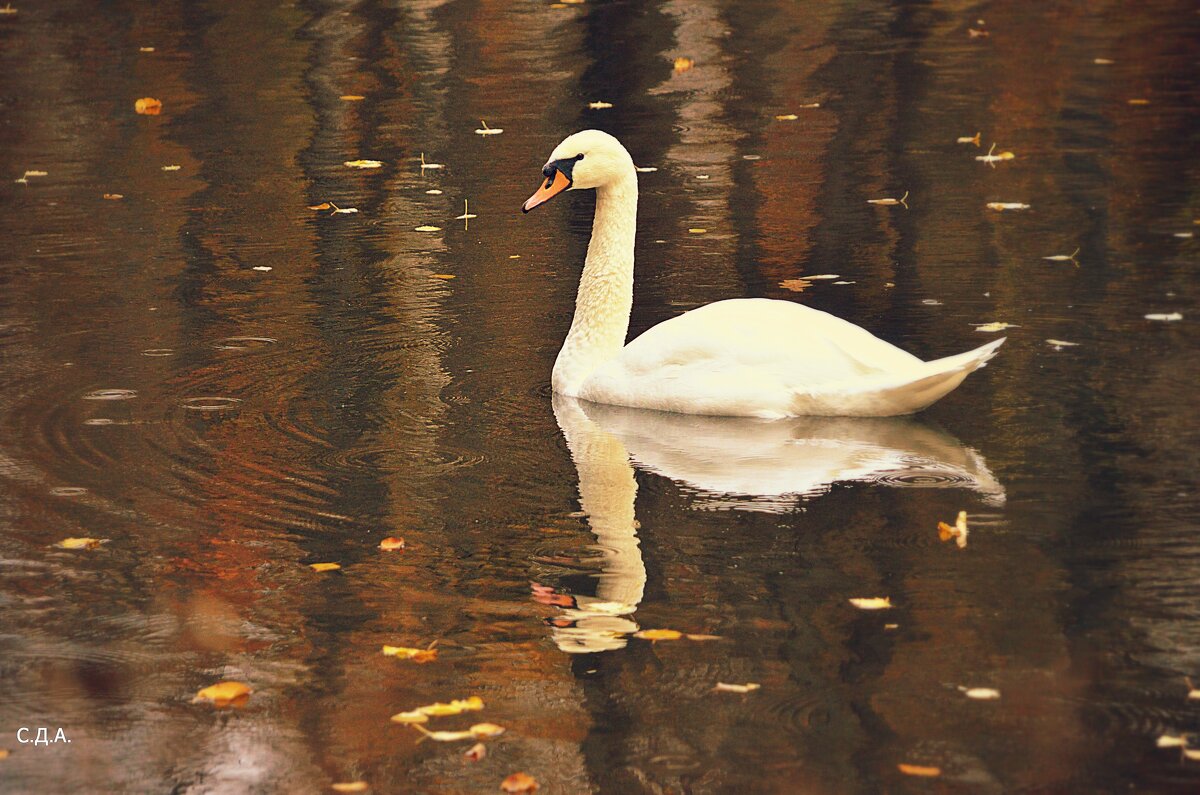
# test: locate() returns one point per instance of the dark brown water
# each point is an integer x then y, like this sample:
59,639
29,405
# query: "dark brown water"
223,425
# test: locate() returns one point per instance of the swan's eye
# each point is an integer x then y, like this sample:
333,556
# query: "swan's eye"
579,157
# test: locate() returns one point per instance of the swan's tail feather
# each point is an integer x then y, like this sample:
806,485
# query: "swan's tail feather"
892,396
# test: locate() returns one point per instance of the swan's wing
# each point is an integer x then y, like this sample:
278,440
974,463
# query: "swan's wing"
744,356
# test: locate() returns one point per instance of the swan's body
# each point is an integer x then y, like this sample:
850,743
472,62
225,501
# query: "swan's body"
743,357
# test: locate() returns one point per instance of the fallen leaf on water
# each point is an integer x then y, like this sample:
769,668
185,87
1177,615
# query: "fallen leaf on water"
324,566
444,276
992,159
476,752
958,531
816,276
702,176
1138,101
171,168
434,192
1001,206
980,693
8,9
24,178
519,782
968,139
343,210
1171,741
697,230
975,33
223,694
411,716
682,64
1063,257
112,197
416,655
466,213
786,117
703,637
321,206
749,687
646,169
427,228
480,731
363,163
350,786
1168,317
919,770
145,49
1062,343
1103,61
81,543
991,327
486,130
599,105
425,165
888,202
262,268
391,543
1191,754
442,708
795,285
872,603
148,106
658,634
352,97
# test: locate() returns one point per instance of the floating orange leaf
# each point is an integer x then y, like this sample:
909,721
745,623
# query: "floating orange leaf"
968,139
682,64
350,786
519,782
321,206
446,276
795,285
148,106
352,97
957,531
224,694
658,634
416,655
112,197
391,543
324,566
919,770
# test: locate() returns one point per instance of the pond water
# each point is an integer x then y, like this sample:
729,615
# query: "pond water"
226,386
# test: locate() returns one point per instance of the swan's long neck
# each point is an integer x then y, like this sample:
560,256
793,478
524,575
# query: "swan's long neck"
605,295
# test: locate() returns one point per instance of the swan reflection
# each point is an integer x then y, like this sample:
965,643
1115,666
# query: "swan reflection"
728,463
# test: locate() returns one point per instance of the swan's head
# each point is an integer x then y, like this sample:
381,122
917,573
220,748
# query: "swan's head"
587,159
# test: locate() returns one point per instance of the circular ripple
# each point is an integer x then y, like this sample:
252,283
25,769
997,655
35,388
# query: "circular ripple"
110,394
213,403
923,478
243,343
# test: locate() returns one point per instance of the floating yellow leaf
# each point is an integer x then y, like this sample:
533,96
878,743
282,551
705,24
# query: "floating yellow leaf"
224,694
145,49
428,228
919,770
992,159
749,687
795,285
981,693
1063,257
80,543
1001,206
363,163
786,117
391,543
872,603
24,178
658,634
324,566
412,716
352,97
8,9
416,655
148,106
1193,755
445,276
486,130
682,64
1171,741
350,786
519,782
455,707
476,752
599,105
887,202
991,327
171,168
112,197
968,139
480,731
1138,101
697,230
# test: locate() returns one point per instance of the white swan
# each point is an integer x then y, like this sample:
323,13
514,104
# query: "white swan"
746,357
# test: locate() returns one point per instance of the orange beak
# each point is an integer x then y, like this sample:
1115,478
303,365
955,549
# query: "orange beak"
549,189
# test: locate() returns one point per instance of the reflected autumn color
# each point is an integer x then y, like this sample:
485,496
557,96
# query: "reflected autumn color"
226,386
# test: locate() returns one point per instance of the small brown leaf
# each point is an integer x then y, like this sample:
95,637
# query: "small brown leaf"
519,782
148,106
